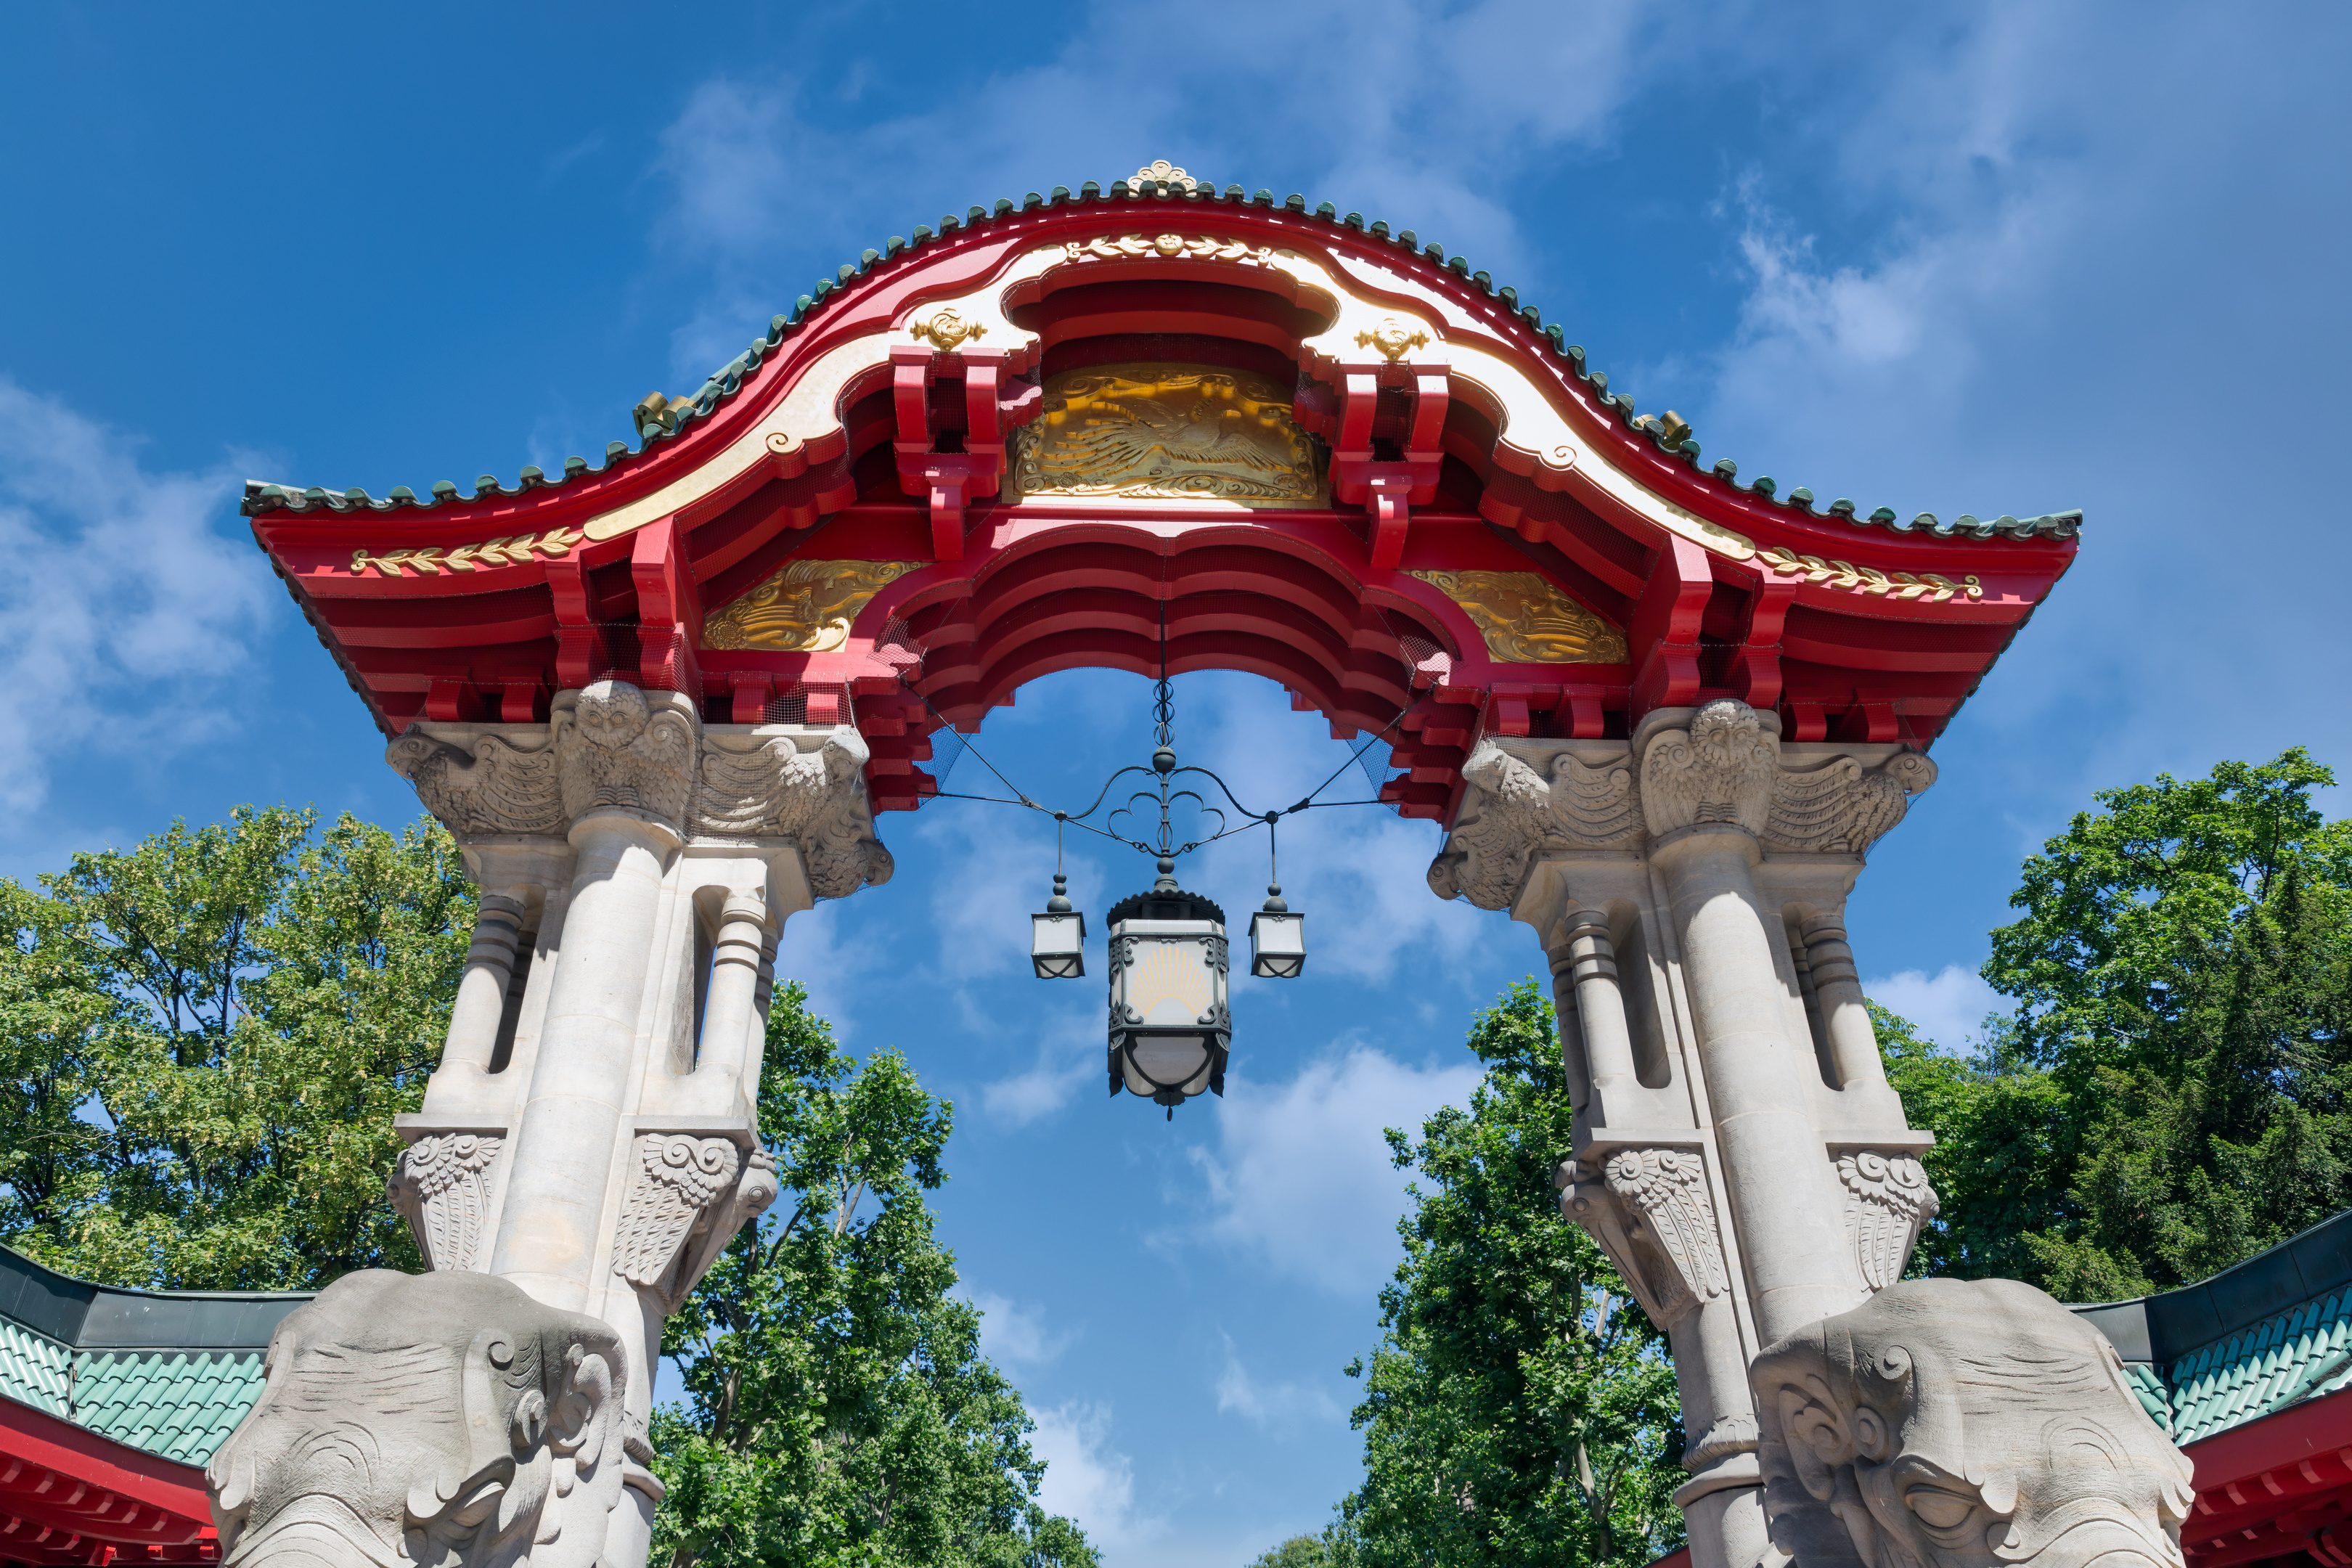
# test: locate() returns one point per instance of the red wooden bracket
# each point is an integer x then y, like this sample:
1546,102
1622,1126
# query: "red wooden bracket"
669,609
1666,622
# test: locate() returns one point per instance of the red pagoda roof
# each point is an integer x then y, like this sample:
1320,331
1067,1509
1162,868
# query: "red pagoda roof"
870,443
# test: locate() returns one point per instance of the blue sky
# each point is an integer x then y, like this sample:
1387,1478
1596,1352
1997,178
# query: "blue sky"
1955,259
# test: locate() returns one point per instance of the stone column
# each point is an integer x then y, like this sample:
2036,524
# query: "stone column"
1708,792
1591,968
481,1006
626,770
1837,993
734,1011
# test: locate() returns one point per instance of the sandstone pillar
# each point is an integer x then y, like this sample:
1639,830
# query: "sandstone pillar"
1740,1190
590,1137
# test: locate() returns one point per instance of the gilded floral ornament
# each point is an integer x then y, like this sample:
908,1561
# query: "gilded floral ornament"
1855,579
1526,620
433,560
1198,248
805,607
1391,338
946,329
1160,172
1167,432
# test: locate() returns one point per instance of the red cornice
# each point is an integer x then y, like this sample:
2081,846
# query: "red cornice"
2274,1488
66,1493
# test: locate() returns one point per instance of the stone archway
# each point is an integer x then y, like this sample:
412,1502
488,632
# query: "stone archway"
661,702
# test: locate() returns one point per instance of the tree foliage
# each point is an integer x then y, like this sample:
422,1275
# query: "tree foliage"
2174,1093
1519,1409
206,1038
837,1410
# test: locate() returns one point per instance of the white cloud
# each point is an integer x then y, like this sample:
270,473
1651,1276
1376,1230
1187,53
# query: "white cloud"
1268,1403
1301,1179
1069,1059
1947,1006
125,614
759,173
1086,1480
1013,1335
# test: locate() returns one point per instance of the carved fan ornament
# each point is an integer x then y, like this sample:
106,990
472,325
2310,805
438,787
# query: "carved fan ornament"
1526,620
1157,432
807,606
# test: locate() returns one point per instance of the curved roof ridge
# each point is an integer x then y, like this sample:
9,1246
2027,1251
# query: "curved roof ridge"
659,419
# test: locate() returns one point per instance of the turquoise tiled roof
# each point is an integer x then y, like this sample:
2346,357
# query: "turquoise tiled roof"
2147,1387
34,1369
2298,1354
177,1403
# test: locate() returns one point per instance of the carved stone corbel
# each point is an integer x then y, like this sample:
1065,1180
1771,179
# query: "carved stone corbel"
810,790
1524,798
497,787
1840,808
443,1187
1887,1199
616,750
686,1190
1649,1211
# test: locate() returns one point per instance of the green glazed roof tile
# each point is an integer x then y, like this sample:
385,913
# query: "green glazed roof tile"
2147,1387
34,1369
177,1403
2298,1354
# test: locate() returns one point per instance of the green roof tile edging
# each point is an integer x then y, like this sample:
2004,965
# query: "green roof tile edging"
1673,439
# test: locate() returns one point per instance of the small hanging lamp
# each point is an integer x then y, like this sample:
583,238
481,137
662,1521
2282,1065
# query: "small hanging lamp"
1057,939
1277,932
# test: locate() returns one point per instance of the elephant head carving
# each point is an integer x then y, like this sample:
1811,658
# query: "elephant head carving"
1963,1424
440,1420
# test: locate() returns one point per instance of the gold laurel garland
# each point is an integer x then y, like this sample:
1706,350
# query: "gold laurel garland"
1855,579
433,560
1135,247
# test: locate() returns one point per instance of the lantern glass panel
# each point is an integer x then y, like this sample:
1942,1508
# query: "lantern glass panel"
1058,945
1278,944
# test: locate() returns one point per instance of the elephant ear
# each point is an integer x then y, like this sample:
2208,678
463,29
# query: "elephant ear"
1806,1445
589,1406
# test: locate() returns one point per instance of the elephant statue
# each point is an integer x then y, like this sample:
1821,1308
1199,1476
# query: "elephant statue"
1963,1424
442,1420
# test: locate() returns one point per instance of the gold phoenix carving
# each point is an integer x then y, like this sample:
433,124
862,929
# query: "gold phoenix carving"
1161,170
433,560
1855,579
1136,247
1526,620
1165,432
945,329
1392,337
805,607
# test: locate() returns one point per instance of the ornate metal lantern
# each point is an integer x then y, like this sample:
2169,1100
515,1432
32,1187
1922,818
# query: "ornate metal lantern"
1277,938
1170,1026
1057,939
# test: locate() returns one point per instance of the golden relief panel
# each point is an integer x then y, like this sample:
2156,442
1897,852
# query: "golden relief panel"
806,608
1167,432
1526,620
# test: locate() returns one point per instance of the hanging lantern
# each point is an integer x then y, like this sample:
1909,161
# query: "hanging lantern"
1057,939
1169,1024
1277,938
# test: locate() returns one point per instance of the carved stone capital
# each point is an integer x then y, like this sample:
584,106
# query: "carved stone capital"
686,1190
443,1187
617,751
1649,1212
1525,797
1887,1199
1840,807
1719,769
494,787
807,788
1962,1421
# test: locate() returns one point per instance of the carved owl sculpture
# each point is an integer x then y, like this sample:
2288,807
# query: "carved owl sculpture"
616,750
1721,770
1963,1424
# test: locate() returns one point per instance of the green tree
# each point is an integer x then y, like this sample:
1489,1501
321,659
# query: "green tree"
837,1410
1303,1552
2174,1093
206,1039
1519,1409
